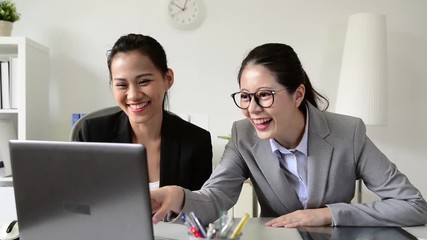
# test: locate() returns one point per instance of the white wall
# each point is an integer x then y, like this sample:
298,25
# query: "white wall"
206,60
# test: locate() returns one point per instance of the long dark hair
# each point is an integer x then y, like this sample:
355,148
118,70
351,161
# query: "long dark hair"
282,61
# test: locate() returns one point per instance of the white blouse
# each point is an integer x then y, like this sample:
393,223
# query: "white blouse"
154,185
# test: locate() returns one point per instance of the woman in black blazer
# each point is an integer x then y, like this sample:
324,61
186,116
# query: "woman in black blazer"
179,153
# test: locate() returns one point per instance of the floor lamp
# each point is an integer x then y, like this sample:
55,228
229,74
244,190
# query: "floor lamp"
362,87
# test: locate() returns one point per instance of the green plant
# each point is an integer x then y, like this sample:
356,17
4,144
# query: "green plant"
8,11
226,137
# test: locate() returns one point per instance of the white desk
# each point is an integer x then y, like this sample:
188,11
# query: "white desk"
6,182
7,201
255,230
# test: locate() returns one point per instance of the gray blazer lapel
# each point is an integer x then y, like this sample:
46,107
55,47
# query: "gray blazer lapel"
273,173
319,157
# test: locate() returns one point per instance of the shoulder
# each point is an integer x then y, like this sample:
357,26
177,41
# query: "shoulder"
244,133
340,119
344,123
173,124
325,123
107,120
102,128
243,125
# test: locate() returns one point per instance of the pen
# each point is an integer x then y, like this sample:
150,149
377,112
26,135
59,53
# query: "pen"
210,231
195,232
184,219
198,224
222,219
191,227
240,226
189,220
226,228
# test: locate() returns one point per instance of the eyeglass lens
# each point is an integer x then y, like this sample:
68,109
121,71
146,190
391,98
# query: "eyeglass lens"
263,98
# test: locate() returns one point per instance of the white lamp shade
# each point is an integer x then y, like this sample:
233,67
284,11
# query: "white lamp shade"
362,89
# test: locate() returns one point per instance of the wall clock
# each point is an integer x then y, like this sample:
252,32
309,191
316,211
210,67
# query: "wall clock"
186,14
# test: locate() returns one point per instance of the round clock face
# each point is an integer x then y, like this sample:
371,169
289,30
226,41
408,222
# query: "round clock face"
186,14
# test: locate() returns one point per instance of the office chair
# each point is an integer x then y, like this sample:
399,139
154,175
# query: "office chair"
101,112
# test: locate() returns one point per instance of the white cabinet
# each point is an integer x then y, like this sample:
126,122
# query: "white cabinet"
7,205
30,120
32,114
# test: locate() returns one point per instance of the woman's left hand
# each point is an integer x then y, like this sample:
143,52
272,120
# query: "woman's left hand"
303,218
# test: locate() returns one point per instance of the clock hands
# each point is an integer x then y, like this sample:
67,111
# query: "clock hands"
181,8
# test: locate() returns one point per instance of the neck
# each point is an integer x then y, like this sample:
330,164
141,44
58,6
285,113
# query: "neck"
294,133
148,132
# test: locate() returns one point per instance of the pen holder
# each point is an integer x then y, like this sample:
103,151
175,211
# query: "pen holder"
191,237
222,229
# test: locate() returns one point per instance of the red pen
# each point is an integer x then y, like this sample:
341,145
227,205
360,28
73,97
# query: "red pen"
195,232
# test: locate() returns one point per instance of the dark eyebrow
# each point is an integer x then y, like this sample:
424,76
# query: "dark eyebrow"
259,89
137,77
144,75
119,79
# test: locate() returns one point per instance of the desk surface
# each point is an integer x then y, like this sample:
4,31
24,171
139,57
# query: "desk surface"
6,182
255,229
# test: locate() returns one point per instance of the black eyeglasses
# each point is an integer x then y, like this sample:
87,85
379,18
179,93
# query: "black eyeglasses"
264,98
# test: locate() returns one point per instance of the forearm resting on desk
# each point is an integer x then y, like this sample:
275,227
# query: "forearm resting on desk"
303,218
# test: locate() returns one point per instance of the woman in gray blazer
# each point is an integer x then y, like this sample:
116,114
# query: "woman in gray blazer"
303,161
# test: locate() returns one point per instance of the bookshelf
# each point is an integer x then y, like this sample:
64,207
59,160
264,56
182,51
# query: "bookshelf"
30,119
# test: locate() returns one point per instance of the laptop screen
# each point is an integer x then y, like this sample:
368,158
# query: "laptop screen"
76,190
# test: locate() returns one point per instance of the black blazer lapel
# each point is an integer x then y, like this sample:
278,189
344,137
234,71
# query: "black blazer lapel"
122,132
169,153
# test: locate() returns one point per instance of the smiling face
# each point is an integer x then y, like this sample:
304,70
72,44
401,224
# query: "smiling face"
138,86
282,121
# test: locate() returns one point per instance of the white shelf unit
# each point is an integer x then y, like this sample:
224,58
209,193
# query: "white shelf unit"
6,182
31,118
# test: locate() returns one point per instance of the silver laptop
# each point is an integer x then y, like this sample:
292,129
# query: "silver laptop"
75,190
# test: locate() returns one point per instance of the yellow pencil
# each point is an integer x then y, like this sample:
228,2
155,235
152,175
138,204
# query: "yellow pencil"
240,226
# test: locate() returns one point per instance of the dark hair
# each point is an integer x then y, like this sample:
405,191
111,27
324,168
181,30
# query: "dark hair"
282,61
145,45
